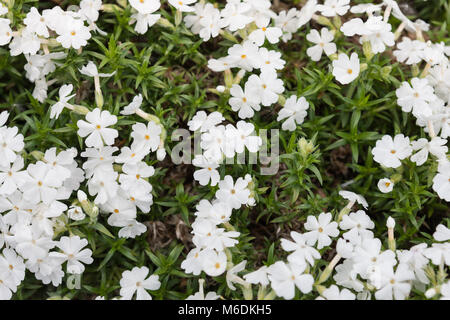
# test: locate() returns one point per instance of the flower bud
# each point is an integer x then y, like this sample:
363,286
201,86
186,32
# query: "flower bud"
306,147
161,154
430,293
390,223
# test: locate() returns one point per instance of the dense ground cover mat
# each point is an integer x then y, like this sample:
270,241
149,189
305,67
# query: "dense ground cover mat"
238,149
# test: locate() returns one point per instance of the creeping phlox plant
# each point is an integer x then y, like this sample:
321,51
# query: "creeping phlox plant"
82,169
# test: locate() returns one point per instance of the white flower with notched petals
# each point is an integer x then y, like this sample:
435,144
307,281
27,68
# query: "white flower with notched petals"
236,15
437,147
96,128
302,253
136,281
270,60
388,152
346,69
214,263
244,101
323,41
233,194
208,173
34,21
264,31
245,56
294,111
285,277
320,230
267,86
332,8
74,34
73,253
416,97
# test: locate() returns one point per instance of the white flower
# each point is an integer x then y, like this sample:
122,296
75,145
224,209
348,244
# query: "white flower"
380,34
76,213
294,111
245,56
270,60
332,293
103,184
441,181
11,177
64,96
235,15
288,22
416,261
370,260
442,233
207,173
438,253
445,291
12,266
385,185
272,34
323,43
357,223
35,22
136,281
91,70
5,31
74,34
395,285
27,43
208,235
144,21
134,176
388,152
145,6
301,252
205,122
90,9
130,228
320,230
146,137
267,86
214,263
243,137
183,5
232,277
416,98
72,252
332,8
3,10
133,106
42,183
285,277
97,128
258,277
31,242
233,194
409,51
437,147
346,69
353,197
218,212
244,101
194,261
